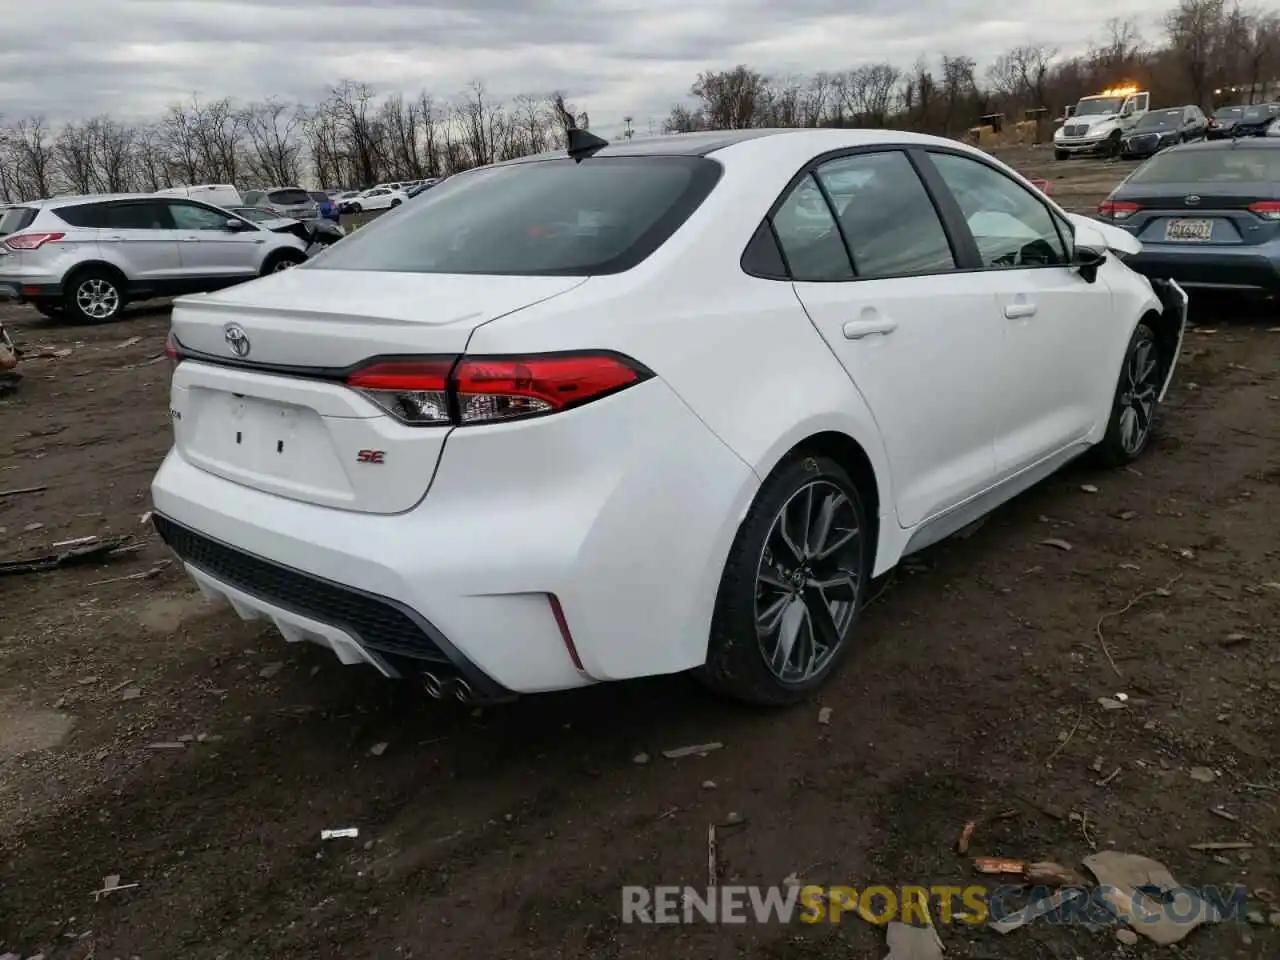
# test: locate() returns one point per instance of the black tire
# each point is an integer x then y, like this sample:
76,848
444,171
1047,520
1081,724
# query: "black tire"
93,295
396,203
355,208
1119,446
736,660
1061,155
54,311
282,260
1113,144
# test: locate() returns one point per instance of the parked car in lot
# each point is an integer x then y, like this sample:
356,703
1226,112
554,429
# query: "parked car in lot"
84,258
649,407
1163,128
1255,120
422,187
376,198
286,201
217,194
1222,121
1207,214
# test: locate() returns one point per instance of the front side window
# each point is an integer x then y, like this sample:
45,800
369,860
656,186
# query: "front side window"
189,216
1011,226
540,218
288,197
888,220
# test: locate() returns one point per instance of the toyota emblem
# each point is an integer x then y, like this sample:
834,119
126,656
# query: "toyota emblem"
236,339
1192,200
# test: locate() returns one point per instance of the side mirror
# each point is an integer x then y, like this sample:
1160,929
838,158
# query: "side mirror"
1090,252
235,225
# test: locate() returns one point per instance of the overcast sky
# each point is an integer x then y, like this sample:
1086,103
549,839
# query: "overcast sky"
75,58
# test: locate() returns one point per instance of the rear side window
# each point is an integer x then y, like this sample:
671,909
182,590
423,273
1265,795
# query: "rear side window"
319,197
1235,163
809,237
15,219
136,215
541,218
85,215
288,197
886,214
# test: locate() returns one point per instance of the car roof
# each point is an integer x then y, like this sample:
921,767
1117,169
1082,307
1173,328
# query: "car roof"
1242,143
805,142
51,203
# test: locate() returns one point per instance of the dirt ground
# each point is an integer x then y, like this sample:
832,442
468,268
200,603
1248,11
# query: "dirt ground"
509,832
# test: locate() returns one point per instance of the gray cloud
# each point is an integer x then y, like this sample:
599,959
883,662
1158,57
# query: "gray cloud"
130,58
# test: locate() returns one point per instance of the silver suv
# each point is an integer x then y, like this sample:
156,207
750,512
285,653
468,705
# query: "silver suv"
84,258
293,202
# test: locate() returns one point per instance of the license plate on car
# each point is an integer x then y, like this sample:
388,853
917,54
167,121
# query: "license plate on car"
1188,230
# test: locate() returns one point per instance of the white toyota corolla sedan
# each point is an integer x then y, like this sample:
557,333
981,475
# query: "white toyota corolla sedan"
649,407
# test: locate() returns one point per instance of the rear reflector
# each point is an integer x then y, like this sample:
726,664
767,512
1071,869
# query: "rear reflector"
1118,209
442,391
32,241
1269,209
566,636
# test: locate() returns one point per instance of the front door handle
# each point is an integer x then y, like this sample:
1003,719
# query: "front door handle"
858,329
1018,311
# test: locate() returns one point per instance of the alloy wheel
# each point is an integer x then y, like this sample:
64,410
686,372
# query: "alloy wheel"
97,298
807,581
1138,398
283,264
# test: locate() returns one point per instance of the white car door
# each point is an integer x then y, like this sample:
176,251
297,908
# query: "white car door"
209,250
1056,324
920,340
376,199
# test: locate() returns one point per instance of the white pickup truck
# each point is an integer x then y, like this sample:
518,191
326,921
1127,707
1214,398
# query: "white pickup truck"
1096,123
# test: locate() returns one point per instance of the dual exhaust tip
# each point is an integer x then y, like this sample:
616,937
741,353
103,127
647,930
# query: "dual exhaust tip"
441,688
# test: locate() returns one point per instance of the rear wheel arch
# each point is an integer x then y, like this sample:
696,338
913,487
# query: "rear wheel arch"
851,455
87,265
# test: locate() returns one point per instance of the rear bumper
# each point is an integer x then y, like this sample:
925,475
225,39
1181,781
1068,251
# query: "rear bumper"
21,290
1245,270
623,510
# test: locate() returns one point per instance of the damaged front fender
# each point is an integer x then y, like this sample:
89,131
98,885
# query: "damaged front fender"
1172,325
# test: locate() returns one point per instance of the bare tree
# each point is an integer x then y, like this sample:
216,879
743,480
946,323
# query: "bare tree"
731,99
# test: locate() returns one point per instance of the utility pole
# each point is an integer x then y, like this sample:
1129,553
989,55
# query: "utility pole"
628,131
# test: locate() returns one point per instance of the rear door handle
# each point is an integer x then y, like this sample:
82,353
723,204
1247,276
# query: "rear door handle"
1018,311
858,329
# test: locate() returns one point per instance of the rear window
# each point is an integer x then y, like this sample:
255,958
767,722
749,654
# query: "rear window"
319,197
549,217
288,196
15,219
1234,163
1260,111
1228,113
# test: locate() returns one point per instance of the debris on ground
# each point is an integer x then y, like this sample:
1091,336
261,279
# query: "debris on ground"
966,832
1088,488
378,749
1202,774
270,670
21,490
131,693
111,884
1127,937
906,942
87,549
640,759
1127,882
341,833
167,745
697,750
824,715
708,784
1035,910
128,343
143,575
1222,845
1046,873
1111,703
1219,812
999,865
734,819
711,856
1056,544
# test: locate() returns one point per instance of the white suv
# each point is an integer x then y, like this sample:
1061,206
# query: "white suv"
84,258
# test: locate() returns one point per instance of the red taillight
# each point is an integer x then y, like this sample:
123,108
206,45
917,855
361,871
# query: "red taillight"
171,349
32,241
472,390
1269,209
1118,209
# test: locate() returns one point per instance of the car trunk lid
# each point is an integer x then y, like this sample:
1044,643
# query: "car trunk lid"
260,397
1201,213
